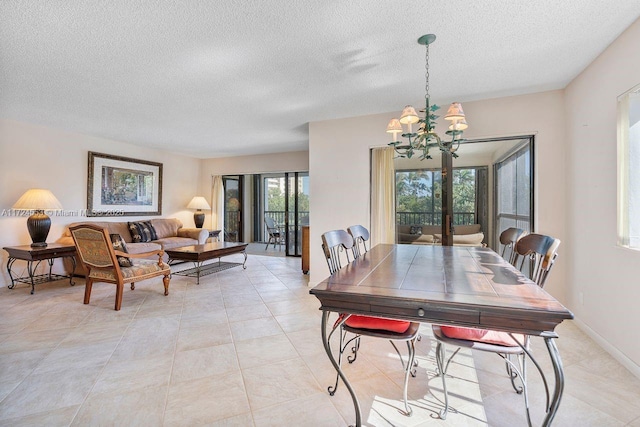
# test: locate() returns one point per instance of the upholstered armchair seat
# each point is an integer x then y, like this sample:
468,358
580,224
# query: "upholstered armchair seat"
142,269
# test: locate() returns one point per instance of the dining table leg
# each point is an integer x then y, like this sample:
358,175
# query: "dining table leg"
558,371
326,341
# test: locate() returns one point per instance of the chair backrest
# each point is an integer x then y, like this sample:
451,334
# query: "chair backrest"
271,224
360,236
334,242
93,246
508,238
541,252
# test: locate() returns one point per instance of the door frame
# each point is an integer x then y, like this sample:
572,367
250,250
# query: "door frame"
240,180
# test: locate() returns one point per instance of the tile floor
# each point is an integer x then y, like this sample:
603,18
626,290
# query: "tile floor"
243,349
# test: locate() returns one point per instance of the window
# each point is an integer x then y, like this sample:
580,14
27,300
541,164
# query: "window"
629,169
418,196
513,182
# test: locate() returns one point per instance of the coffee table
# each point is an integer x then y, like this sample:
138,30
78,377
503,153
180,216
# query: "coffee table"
198,254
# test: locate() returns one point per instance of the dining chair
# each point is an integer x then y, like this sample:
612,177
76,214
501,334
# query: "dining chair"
103,263
334,243
275,232
535,254
360,236
508,239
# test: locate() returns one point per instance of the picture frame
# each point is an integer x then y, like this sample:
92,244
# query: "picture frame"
122,186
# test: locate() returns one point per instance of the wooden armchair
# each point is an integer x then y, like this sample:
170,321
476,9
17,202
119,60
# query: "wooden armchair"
96,252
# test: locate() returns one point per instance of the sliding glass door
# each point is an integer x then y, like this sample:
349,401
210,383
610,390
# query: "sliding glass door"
286,201
492,186
232,208
297,208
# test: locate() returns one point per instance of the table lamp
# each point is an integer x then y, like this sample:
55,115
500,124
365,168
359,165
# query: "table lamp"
39,223
199,203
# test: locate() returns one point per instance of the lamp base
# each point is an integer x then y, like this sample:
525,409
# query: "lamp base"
198,218
38,225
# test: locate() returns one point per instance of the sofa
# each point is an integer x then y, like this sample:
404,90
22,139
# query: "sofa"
464,235
170,234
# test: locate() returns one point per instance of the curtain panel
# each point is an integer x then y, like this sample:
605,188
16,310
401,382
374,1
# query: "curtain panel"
383,196
217,205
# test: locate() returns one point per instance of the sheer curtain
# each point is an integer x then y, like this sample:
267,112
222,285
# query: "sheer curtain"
383,196
217,205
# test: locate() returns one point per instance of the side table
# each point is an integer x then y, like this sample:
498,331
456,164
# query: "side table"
34,256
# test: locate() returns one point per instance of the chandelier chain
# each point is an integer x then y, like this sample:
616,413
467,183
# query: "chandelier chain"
426,74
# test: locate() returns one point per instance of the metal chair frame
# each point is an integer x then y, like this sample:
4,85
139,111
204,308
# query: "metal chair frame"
360,236
275,232
508,238
538,253
333,244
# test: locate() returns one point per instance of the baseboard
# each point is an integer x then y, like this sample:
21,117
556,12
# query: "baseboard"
606,345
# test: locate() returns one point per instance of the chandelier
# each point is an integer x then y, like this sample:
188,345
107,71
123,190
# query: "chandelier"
424,138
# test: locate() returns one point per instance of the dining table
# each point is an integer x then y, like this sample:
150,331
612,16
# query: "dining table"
451,285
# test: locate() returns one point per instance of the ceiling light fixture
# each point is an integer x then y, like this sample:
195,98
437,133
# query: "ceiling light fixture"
419,143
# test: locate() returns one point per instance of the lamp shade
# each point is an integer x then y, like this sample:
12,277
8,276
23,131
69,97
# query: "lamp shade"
199,203
38,224
454,112
394,126
458,125
37,199
409,116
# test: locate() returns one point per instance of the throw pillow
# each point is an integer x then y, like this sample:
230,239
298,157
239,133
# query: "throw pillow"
118,245
142,231
415,229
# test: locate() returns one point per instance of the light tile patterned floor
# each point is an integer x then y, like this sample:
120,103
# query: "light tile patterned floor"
243,349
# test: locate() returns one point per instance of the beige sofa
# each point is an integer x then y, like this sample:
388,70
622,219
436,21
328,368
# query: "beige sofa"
171,234
464,235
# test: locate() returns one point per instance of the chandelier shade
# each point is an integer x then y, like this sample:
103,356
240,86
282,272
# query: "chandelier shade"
454,112
458,125
409,116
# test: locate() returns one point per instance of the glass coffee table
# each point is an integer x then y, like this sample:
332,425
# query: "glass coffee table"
198,254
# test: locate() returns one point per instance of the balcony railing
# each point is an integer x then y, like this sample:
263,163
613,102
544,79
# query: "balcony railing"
433,218
278,217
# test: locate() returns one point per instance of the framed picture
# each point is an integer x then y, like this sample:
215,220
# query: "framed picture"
120,186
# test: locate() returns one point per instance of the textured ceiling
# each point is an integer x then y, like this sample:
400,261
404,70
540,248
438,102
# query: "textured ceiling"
231,77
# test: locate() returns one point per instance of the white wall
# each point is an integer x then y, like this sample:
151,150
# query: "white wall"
605,275
339,166
39,157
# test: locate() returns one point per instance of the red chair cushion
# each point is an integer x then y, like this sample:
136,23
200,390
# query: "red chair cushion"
481,335
378,323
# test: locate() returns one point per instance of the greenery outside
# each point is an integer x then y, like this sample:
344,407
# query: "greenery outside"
419,195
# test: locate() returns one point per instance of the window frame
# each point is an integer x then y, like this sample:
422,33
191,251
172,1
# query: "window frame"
624,167
527,145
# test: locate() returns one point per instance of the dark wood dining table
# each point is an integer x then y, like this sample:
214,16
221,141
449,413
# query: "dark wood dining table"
454,285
